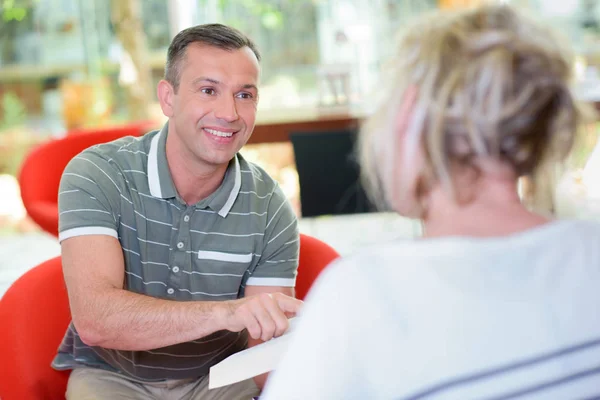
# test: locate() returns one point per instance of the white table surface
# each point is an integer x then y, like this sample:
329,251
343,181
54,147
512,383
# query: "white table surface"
348,233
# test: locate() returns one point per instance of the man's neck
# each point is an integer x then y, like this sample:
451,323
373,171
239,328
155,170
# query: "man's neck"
193,181
493,209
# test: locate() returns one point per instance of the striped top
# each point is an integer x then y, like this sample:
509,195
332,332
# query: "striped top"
453,319
245,233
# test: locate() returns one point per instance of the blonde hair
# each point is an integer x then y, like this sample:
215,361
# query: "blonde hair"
489,82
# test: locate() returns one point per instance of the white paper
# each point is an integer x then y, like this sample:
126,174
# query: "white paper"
251,362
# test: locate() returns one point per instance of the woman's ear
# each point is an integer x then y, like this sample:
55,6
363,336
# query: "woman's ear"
409,161
405,112
165,93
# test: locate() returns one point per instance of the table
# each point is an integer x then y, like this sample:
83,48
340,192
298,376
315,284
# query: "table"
350,233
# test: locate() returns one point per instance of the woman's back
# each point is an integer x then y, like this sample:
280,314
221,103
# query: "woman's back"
455,318
496,301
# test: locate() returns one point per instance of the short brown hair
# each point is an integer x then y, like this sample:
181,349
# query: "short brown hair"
216,35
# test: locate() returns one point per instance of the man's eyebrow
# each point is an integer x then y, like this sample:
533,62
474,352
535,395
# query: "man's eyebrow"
249,86
206,79
217,82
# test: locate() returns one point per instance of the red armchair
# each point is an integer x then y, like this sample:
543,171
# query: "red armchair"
35,315
315,255
41,170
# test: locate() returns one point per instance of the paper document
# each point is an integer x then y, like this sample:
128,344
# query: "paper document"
251,362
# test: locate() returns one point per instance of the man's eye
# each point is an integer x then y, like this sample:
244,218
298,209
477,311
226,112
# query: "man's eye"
245,95
208,91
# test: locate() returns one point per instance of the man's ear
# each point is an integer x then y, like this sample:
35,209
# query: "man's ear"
166,94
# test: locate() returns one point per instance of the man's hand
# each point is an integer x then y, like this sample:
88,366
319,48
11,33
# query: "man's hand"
265,316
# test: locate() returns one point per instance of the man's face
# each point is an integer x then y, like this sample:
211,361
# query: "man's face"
214,110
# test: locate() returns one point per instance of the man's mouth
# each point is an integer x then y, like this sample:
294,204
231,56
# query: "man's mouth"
219,133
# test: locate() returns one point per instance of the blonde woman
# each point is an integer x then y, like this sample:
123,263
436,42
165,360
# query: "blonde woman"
495,301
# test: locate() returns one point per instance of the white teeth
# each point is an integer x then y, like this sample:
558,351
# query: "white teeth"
218,133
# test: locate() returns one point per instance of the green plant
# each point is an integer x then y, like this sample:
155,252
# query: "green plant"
13,111
13,10
268,14
13,147
16,18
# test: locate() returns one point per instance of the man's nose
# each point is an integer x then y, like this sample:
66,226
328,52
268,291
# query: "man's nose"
226,109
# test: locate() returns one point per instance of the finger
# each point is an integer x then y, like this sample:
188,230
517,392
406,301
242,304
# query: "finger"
267,325
251,323
278,316
288,304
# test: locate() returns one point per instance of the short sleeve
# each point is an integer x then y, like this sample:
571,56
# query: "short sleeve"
88,197
279,259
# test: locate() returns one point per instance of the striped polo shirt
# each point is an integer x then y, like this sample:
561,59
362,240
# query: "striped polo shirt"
245,233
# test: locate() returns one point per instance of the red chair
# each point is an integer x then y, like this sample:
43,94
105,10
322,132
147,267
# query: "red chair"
41,170
315,255
35,315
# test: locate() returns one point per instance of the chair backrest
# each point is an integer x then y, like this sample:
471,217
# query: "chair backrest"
328,173
35,315
43,166
315,255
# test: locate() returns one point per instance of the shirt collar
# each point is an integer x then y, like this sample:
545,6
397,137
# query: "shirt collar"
159,177
223,198
161,183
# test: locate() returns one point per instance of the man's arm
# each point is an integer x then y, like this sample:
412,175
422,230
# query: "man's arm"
106,315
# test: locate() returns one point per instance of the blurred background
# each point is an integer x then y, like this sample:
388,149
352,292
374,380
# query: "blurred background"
73,66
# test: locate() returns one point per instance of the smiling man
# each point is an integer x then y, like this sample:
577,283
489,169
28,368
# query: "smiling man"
176,251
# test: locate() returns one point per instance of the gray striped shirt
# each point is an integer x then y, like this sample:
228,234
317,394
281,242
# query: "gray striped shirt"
243,234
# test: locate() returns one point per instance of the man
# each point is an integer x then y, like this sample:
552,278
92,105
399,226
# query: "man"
175,248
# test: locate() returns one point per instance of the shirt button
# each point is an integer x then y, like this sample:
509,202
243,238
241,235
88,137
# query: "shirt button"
170,290
180,245
186,218
176,269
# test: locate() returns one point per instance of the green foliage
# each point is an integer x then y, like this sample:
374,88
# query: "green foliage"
269,15
12,149
15,10
272,19
13,111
